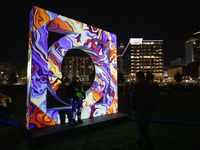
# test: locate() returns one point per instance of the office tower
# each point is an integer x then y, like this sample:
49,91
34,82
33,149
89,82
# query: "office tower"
197,46
144,55
81,66
120,50
189,50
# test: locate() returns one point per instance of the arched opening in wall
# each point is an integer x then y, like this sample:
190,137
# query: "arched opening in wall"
77,62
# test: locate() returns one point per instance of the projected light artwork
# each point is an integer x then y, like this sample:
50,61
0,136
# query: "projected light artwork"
44,66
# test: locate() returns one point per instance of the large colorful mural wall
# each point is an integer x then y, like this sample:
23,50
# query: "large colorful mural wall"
44,66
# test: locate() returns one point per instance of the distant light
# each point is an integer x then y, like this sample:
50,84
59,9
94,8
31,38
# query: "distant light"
1,72
136,40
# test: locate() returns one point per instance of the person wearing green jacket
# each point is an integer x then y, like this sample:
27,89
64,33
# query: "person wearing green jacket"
77,93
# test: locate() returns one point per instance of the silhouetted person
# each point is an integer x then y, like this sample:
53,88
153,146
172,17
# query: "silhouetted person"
62,93
156,90
131,86
78,94
127,91
143,98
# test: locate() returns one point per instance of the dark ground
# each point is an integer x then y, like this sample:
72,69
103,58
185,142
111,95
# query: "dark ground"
165,136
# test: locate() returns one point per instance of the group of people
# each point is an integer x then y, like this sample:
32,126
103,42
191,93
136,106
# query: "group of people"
74,92
142,97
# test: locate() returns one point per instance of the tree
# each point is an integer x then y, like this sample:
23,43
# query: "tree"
178,77
12,79
120,78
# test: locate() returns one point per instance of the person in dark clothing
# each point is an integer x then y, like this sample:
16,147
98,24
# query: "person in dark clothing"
78,94
142,98
62,93
156,90
126,90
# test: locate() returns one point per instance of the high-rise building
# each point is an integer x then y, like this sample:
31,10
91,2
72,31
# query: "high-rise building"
120,50
144,55
197,46
189,50
192,48
81,66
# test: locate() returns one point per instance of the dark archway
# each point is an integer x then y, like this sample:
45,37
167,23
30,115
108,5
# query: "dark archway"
77,62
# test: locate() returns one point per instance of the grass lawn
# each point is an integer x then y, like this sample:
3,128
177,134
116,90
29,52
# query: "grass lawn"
165,136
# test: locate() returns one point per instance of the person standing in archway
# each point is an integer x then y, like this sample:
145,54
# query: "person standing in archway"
77,93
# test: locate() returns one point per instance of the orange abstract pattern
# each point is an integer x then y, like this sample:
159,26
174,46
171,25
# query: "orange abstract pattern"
44,66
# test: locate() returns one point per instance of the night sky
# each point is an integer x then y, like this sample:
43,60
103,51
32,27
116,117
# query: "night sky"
173,21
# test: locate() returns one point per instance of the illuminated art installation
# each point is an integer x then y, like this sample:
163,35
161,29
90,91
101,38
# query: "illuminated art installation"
44,66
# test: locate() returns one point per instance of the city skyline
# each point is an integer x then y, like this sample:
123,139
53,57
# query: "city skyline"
172,22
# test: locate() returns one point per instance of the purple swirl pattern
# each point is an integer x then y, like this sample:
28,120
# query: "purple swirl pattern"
44,66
